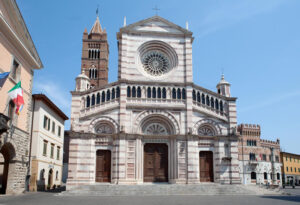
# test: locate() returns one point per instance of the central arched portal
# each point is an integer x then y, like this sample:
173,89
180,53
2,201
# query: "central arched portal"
155,162
103,166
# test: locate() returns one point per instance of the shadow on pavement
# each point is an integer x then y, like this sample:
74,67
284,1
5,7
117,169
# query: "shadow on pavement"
284,198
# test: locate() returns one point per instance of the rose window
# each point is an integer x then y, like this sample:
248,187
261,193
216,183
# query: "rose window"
155,63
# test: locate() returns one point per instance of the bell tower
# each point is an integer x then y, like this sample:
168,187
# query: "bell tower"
95,51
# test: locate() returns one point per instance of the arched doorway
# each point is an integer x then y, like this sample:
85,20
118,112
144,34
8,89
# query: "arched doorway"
206,166
50,179
6,154
103,166
155,162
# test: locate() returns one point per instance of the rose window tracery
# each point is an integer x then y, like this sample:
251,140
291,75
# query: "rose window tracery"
206,131
155,63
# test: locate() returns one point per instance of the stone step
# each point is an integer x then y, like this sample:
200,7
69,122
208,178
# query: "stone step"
168,189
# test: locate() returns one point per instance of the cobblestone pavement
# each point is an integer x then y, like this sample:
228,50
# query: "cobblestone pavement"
43,198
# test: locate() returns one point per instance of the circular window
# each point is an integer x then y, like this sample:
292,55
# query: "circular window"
155,63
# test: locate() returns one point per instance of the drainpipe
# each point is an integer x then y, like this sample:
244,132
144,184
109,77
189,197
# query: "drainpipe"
30,144
272,165
243,163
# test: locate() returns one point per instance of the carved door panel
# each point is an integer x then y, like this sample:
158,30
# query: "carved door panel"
206,166
103,166
156,162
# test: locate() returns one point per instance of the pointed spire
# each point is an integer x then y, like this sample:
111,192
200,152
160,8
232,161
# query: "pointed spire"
96,27
85,30
223,81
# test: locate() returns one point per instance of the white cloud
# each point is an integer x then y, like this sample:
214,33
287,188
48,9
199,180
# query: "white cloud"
228,14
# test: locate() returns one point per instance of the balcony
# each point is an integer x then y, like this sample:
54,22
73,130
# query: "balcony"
3,123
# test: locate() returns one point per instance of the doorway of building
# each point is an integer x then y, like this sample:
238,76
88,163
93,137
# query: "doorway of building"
206,166
50,179
103,165
6,154
155,162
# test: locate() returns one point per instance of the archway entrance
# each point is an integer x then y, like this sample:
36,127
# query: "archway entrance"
6,154
50,179
155,162
103,165
206,166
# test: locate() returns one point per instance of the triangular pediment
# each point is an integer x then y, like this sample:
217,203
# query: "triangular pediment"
156,24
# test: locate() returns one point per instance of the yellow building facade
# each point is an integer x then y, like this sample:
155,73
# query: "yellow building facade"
290,167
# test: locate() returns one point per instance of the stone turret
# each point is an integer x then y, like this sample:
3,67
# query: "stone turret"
82,82
223,87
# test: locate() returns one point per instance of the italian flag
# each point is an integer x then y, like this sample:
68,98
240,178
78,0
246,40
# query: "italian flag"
16,94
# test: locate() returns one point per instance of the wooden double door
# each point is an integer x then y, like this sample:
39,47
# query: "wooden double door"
103,165
206,166
155,162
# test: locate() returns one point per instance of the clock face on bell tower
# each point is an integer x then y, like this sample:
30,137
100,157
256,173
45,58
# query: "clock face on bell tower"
95,51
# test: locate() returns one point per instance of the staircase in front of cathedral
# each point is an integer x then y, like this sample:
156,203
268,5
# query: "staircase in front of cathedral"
168,189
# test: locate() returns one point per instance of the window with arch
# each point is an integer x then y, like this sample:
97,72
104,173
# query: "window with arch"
133,91
128,92
88,101
113,94
174,93
98,98
149,92
278,176
56,175
153,92
221,106
194,95
212,102
253,175
158,92
118,92
206,130
265,176
155,129
198,97
217,104
103,96
203,99
104,128
93,100
139,92
164,93
178,93
108,95
183,94
207,100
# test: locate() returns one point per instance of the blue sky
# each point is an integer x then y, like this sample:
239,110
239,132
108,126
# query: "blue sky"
255,42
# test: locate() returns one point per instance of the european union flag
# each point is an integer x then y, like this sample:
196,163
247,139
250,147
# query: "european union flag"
3,77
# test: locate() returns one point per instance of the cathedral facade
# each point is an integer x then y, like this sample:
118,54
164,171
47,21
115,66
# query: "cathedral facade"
153,124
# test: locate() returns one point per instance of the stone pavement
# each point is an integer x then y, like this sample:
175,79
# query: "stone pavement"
43,198
169,189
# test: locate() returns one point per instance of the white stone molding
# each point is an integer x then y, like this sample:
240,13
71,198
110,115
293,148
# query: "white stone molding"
105,120
209,123
160,114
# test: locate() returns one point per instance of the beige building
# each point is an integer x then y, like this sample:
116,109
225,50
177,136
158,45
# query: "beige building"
290,167
47,144
19,57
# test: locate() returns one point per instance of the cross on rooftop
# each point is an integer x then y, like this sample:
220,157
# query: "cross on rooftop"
156,10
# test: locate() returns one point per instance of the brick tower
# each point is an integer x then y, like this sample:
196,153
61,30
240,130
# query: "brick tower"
95,51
